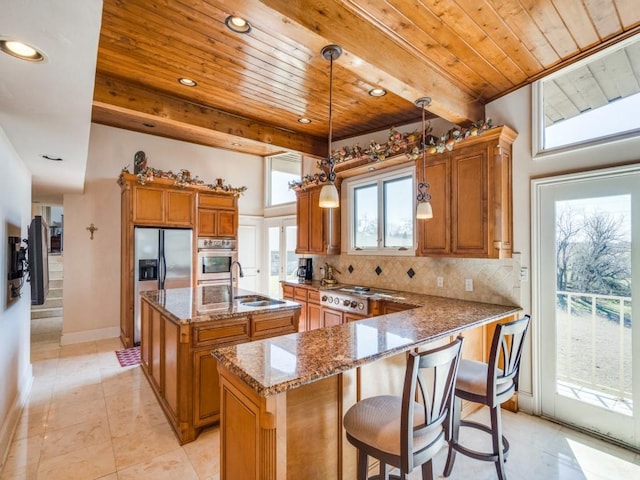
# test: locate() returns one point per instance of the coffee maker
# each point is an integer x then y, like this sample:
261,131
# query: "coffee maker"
305,270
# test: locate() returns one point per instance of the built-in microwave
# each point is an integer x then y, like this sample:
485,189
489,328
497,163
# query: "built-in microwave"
215,256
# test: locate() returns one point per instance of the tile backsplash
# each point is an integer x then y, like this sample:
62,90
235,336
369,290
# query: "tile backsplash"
494,281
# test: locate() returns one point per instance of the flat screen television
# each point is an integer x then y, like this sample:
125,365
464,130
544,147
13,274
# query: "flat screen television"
38,260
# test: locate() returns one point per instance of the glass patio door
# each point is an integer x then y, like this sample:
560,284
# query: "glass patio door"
586,245
282,261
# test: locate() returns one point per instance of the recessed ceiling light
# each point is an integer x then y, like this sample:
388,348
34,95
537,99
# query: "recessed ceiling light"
304,120
236,144
149,125
187,82
53,159
377,92
237,24
21,50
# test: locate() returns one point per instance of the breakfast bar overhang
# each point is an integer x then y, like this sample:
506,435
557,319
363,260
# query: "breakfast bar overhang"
283,398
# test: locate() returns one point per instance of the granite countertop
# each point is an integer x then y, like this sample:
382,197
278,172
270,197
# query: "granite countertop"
209,303
282,363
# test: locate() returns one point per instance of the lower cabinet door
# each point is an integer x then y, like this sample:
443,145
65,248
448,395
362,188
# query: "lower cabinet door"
206,388
314,319
331,317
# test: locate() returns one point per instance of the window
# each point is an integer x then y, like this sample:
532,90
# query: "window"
589,102
381,218
282,169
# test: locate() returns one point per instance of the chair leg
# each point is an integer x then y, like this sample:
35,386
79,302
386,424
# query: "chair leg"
496,436
427,470
384,471
455,431
362,465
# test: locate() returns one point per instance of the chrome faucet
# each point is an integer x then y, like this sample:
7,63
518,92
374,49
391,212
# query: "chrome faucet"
240,273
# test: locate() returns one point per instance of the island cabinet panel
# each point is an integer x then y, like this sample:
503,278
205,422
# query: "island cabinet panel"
318,228
206,388
273,324
177,361
471,197
156,348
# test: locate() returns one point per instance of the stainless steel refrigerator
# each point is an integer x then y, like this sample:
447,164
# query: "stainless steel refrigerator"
162,261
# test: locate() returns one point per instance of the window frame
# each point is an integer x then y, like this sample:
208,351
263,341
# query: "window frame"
537,110
268,177
379,178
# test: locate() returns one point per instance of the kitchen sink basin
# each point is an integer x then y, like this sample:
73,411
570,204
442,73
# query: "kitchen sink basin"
261,303
251,298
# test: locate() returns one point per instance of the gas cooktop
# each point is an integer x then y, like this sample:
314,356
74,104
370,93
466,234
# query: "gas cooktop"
352,298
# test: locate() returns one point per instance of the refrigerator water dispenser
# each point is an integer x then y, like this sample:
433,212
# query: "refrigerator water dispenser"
147,269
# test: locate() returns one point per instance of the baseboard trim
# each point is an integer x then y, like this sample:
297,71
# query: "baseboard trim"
89,335
525,402
8,428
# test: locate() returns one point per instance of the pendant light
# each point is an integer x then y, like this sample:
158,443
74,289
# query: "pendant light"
329,197
423,210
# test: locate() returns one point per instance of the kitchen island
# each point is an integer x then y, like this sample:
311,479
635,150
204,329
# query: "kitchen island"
180,327
282,399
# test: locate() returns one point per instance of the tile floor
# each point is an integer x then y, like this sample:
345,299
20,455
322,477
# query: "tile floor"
89,418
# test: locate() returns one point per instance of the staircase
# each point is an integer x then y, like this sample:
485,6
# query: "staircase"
52,306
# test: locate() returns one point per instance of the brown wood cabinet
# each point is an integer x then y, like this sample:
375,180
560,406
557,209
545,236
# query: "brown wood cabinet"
471,197
217,215
318,228
331,317
309,299
177,360
161,204
352,317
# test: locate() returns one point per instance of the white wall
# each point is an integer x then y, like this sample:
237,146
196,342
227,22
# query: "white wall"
92,267
515,111
15,366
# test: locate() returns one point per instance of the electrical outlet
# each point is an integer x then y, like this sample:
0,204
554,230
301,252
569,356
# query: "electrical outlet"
524,274
468,284
440,282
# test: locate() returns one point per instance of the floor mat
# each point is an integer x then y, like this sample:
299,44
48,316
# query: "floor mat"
129,356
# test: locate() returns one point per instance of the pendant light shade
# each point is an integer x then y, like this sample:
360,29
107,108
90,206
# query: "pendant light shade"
329,196
423,210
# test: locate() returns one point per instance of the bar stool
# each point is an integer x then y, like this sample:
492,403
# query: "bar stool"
407,431
489,384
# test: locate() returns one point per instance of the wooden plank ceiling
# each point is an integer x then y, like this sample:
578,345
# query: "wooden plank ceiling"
252,88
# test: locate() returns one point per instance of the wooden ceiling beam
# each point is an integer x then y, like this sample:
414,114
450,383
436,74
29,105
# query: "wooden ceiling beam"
115,97
381,59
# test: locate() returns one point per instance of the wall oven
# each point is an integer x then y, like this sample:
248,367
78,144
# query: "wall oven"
215,256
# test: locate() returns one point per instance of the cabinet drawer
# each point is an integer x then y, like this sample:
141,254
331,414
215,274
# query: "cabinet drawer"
300,294
313,296
271,324
228,332
216,201
287,291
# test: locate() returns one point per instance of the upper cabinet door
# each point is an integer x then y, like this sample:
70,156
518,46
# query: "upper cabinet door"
179,208
318,228
471,197
148,205
302,215
217,215
469,203
434,235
